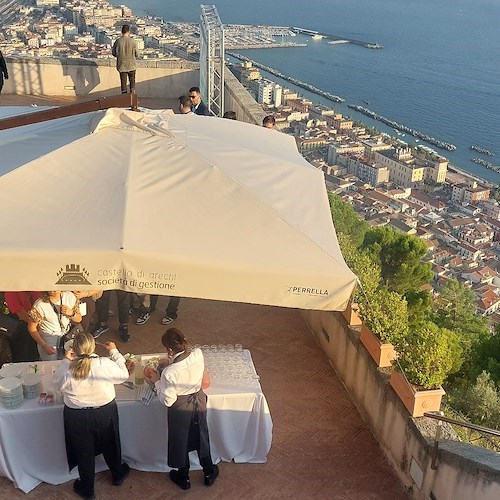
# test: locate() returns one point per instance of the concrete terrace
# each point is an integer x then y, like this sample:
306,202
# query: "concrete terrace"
322,448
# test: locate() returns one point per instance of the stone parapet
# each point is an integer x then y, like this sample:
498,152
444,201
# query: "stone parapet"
463,471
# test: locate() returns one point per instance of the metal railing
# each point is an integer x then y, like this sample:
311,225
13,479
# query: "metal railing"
439,416
123,100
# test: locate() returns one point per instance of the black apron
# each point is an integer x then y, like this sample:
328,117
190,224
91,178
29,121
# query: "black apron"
187,427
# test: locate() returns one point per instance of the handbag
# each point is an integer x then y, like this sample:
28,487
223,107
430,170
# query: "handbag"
69,335
8,325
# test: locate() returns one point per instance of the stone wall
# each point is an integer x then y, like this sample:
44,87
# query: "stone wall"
238,99
98,77
464,472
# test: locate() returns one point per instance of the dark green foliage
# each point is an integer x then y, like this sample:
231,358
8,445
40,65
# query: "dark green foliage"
455,309
427,355
486,356
479,401
346,220
400,256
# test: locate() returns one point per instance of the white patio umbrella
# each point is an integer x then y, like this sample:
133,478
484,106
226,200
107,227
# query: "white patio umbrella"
167,204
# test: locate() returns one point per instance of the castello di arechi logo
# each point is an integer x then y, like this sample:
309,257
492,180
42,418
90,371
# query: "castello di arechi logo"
73,276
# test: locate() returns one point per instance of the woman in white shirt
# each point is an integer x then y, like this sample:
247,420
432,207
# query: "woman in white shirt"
91,423
179,388
50,318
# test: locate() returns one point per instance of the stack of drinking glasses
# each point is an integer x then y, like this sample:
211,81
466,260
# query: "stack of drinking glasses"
229,364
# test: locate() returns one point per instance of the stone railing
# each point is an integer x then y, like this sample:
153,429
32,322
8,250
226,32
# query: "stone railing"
97,77
463,471
238,99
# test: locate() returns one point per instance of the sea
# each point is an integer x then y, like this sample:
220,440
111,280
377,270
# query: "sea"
439,70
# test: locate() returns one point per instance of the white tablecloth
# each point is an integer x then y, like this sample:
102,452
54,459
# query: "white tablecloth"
32,446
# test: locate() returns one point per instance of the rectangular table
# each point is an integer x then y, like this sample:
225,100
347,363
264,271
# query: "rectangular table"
32,436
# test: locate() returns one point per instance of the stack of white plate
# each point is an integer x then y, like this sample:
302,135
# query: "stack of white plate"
11,392
10,371
32,385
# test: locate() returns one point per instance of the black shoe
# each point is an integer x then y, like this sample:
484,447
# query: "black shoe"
210,478
182,483
125,473
77,487
124,335
100,330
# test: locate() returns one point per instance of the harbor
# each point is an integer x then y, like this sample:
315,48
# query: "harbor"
335,38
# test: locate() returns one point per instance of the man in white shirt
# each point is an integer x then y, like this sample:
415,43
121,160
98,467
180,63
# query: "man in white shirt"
185,105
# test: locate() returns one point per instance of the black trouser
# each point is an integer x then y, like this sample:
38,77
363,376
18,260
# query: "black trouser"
102,306
123,80
171,310
90,432
91,307
22,345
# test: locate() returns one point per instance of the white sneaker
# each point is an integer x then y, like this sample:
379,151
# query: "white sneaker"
167,320
143,317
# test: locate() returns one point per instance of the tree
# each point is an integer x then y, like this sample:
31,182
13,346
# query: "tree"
455,309
346,220
400,256
486,357
480,401
360,263
419,306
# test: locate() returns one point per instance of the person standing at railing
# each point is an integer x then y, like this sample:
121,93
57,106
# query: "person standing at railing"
4,74
125,51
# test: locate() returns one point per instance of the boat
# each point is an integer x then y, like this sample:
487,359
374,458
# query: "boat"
366,102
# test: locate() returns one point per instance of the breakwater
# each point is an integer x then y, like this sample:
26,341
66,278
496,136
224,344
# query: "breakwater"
487,164
403,128
295,81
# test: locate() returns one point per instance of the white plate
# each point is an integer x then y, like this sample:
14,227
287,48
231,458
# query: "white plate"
11,371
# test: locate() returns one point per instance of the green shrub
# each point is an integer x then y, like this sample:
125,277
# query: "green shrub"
386,314
427,355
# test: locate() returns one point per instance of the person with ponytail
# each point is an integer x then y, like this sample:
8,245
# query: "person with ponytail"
91,423
179,388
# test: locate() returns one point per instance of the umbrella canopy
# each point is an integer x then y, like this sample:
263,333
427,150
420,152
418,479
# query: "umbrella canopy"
159,203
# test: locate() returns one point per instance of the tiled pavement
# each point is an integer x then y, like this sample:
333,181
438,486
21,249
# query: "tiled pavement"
321,447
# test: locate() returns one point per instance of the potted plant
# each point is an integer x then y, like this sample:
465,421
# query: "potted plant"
425,358
385,323
351,314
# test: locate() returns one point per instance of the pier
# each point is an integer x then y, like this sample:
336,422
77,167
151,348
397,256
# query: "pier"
335,38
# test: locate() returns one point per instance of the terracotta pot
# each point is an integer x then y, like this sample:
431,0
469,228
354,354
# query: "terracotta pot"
351,315
381,353
416,402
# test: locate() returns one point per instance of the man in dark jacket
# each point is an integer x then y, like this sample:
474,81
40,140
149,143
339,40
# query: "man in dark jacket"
4,74
198,107
125,51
